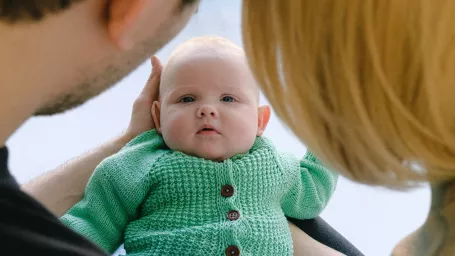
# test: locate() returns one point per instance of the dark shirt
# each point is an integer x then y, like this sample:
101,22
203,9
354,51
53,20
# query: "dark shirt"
27,228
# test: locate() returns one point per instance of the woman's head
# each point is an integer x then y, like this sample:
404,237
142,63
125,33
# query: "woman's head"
368,85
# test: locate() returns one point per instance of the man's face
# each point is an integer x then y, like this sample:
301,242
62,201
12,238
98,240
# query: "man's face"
96,76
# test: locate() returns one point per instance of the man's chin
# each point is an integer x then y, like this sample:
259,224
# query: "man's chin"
59,106
71,100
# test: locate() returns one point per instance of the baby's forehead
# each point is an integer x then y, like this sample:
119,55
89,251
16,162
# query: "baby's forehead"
212,49
207,44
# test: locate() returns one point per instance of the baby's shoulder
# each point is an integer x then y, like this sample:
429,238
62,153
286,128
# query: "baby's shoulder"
282,157
144,149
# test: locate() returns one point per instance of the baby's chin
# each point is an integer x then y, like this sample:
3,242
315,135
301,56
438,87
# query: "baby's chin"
212,155
212,152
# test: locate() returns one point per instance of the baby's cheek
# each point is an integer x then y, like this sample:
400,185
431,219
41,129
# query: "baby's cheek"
247,123
244,131
174,120
173,128
173,138
176,128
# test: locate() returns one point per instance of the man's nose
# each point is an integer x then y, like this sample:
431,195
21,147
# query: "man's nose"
206,111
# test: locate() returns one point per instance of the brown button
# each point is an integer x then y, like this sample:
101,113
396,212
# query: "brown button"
233,215
227,190
232,251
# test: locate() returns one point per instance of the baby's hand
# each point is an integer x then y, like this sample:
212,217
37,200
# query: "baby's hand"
141,118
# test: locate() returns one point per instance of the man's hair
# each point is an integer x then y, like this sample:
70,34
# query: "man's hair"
13,11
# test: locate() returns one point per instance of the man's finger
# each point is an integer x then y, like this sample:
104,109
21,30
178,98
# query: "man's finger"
153,82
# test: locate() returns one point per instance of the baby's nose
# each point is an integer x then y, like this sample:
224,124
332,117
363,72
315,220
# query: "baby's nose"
207,110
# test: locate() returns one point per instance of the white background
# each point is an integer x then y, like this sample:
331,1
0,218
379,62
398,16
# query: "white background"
373,219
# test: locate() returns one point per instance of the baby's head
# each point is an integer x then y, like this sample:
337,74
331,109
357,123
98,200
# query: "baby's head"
209,100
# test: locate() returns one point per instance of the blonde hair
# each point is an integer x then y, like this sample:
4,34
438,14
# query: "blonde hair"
368,85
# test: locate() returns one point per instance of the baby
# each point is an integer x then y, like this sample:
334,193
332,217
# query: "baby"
205,181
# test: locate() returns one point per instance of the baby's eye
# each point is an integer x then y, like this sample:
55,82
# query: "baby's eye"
228,99
187,99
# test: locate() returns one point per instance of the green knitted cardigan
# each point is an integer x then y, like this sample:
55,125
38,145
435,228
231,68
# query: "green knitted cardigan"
162,202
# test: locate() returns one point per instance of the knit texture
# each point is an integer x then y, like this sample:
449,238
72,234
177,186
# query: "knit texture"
161,202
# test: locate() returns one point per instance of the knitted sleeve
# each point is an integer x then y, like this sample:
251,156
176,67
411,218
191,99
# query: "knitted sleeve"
114,192
311,190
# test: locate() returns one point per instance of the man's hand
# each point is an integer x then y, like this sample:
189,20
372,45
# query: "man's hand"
141,117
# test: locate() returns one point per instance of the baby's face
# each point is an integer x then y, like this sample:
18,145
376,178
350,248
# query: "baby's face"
209,106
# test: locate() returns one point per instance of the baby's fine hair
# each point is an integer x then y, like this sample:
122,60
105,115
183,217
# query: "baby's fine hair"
210,44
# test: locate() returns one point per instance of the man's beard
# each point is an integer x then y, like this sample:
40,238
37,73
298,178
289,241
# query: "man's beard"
116,68
95,84
84,92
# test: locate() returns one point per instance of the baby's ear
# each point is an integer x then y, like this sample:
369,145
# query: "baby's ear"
156,115
263,119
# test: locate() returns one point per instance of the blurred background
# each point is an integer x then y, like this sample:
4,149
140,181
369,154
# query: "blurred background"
373,219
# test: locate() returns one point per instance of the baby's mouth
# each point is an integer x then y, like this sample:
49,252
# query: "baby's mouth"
207,130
